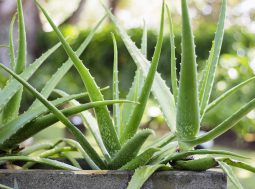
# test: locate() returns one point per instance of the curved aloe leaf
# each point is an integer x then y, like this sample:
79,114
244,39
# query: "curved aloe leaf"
225,125
231,175
45,161
91,123
105,123
228,93
201,164
182,155
173,58
70,158
116,107
159,88
13,86
54,80
76,132
187,106
142,174
130,149
161,142
238,164
43,122
48,153
35,148
17,131
135,119
165,151
140,160
86,157
213,61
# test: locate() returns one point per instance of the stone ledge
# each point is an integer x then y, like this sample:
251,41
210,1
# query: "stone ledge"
90,179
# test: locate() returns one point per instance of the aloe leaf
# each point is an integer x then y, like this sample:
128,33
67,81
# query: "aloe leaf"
16,131
40,123
225,125
137,84
173,57
35,148
45,161
231,175
5,187
105,123
116,107
45,121
76,132
187,106
136,116
56,78
140,160
144,44
162,141
86,157
238,164
165,151
142,174
21,59
13,86
213,61
201,164
70,158
11,43
130,149
182,155
159,88
91,123
228,93
133,95
11,109
46,154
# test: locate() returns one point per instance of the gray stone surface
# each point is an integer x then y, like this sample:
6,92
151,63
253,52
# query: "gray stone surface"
48,179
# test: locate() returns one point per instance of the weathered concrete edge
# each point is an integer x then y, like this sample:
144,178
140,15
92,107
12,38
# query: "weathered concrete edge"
42,179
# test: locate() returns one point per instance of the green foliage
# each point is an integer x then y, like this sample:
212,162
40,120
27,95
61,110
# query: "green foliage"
191,105
120,141
43,113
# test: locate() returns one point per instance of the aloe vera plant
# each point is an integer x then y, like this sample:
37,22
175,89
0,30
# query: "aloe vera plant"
187,103
120,143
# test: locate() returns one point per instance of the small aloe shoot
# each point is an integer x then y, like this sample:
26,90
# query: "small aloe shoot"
173,58
116,107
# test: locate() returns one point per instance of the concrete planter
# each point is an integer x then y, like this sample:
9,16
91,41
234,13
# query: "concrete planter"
89,179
